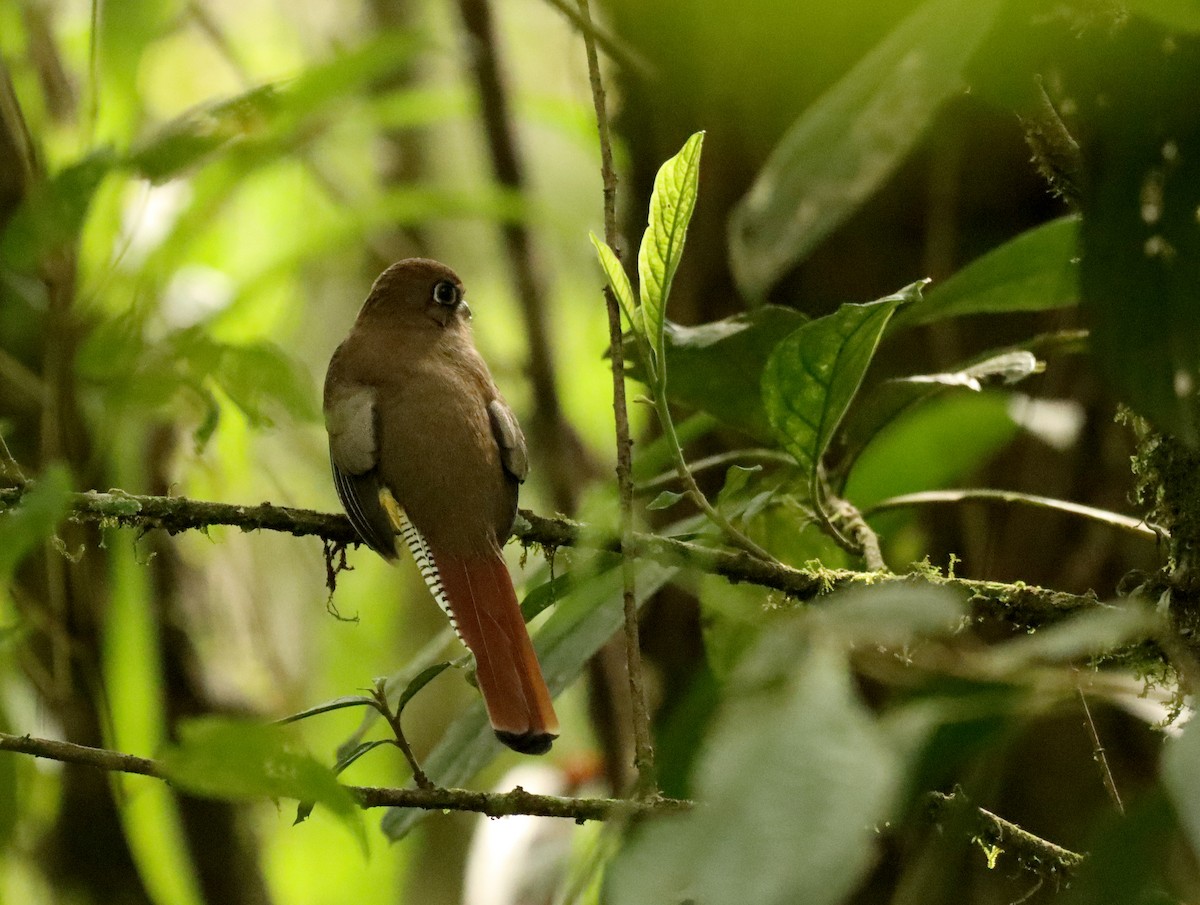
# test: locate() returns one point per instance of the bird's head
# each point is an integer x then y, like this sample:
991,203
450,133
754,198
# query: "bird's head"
418,288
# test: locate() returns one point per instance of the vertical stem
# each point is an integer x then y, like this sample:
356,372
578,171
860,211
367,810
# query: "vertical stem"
643,757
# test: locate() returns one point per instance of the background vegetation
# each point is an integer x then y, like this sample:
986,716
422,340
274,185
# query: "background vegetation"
194,199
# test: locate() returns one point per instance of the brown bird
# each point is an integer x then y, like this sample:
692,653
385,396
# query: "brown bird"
423,446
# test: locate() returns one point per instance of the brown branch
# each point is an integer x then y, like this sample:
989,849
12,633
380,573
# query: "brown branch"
493,804
643,757
1034,853
1026,606
70,753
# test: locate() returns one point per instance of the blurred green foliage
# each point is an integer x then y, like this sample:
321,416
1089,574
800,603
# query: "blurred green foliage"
194,199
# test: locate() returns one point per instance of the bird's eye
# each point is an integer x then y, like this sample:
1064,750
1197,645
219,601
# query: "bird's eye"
446,293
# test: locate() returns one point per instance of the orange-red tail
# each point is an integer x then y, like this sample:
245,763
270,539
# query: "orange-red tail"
484,608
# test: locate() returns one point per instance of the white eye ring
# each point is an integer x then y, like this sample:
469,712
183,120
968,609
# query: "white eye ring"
446,293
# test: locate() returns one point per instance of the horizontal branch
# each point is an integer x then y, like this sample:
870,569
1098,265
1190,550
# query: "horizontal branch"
492,804
1033,852
1020,604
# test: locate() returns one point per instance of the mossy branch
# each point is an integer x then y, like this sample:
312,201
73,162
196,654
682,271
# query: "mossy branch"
1033,852
493,804
1022,605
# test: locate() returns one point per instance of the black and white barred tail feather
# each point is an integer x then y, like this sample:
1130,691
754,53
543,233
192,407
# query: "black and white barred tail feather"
423,557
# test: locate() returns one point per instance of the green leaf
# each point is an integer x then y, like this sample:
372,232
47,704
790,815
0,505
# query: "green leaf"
665,500
269,119
814,374
33,519
264,381
737,348
794,779
848,143
419,681
346,759
732,615
933,445
260,378
350,700
198,134
241,760
892,616
51,216
585,618
123,31
1181,778
891,399
671,206
618,282
1036,271
1088,634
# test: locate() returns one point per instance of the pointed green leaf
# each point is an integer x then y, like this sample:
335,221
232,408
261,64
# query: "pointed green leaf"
1181,778
419,681
1037,270
938,443
350,700
812,376
795,778
239,759
618,282
845,146
671,206
665,500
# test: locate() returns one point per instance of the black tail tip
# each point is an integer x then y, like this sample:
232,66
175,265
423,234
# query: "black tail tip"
527,742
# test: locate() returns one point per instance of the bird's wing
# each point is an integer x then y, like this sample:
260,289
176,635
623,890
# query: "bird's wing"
354,453
509,438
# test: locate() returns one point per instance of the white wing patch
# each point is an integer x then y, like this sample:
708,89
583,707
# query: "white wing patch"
350,420
509,438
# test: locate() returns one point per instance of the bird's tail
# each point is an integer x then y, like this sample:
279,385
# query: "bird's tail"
477,594
485,613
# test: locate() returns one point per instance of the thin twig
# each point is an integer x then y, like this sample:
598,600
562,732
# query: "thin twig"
392,718
695,494
492,804
643,757
862,535
935,497
1110,784
9,467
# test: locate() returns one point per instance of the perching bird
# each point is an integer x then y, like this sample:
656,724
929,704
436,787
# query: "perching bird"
423,446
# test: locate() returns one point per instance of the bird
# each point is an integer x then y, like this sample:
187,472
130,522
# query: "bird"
424,448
